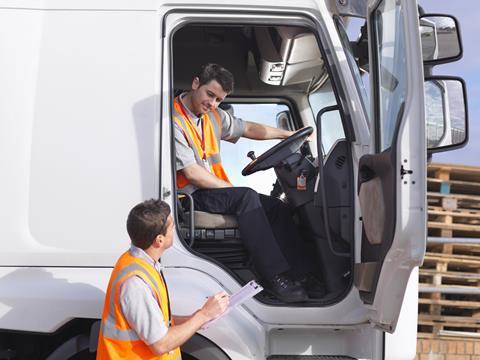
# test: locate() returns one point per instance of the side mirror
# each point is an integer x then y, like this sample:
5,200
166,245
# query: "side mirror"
284,120
440,37
446,113
329,129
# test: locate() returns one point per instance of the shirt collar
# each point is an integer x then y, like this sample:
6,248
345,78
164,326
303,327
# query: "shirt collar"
139,253
190,114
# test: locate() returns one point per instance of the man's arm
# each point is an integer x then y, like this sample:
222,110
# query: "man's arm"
179,334
180,319
202,178
258,131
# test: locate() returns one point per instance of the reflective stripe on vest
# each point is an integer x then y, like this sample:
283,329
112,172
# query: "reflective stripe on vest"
117,340
211,128
109,324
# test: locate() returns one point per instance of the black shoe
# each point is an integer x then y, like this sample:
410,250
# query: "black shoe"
313,285
285,289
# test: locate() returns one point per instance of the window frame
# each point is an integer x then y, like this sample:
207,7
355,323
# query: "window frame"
365,101
376,76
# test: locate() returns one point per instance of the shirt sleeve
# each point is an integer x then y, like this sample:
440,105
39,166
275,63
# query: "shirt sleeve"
183,152
140,308
232,127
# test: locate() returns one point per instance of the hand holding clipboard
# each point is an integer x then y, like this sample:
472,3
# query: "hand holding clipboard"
251,289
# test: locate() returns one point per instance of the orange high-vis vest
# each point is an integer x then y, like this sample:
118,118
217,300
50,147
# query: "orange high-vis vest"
205,146
117,340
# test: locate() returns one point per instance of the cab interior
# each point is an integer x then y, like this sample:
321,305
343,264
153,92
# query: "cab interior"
281,79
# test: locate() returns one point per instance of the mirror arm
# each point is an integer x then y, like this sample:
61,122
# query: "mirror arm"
427,71
360,49
321,193
420,11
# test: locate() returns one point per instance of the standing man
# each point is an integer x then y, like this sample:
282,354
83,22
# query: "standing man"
136,321
265,223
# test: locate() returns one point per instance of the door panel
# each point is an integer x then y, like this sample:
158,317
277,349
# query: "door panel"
376,184
391,181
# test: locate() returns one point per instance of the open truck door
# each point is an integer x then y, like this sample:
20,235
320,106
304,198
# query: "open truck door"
392,177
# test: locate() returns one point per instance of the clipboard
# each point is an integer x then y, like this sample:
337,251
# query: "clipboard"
250,289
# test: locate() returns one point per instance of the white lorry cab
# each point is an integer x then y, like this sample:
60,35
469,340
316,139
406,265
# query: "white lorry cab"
86,92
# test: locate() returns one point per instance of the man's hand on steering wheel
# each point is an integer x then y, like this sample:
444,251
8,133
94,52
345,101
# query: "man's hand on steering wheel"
279,152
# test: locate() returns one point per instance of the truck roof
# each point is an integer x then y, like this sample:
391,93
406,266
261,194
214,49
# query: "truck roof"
154,5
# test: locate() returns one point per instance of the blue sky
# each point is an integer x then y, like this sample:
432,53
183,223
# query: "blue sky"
466,12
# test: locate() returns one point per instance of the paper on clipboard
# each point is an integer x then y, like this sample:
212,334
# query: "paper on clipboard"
251,289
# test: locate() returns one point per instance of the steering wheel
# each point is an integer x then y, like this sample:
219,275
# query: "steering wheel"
277,153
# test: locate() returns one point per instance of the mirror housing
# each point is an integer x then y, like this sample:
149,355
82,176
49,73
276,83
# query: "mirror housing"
440,38
446,113
284,120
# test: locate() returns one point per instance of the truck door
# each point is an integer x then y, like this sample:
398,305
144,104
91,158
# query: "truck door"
391,179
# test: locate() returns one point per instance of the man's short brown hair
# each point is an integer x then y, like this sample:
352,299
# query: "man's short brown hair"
210,72
147,220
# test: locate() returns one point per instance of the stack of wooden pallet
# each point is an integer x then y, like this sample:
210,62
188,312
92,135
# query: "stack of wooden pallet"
449,300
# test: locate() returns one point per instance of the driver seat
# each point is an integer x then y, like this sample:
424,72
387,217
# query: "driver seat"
205,225
215,235
205,220
209,229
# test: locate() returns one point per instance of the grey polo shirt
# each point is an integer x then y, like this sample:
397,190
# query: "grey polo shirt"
232,129
139,305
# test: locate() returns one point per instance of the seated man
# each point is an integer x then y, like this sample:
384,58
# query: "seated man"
265,223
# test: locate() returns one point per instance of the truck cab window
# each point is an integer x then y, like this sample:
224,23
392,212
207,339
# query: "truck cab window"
390,70
332,127
361,79
234,155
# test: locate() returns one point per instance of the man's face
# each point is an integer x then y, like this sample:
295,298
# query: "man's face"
206,97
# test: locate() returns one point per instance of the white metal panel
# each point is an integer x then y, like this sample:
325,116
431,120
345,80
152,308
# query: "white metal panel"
239,334
355,343
401,345
79,131
142,5
43,299
18,71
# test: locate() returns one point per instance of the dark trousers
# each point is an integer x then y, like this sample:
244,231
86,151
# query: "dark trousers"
266,227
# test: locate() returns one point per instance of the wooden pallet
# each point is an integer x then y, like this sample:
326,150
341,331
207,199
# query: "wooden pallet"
448,323
451,172
460,216
451,304
449,279
453,215
453,201
457,249
458,278
449,312
467,263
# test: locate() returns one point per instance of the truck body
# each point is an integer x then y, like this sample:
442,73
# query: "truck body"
86,133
